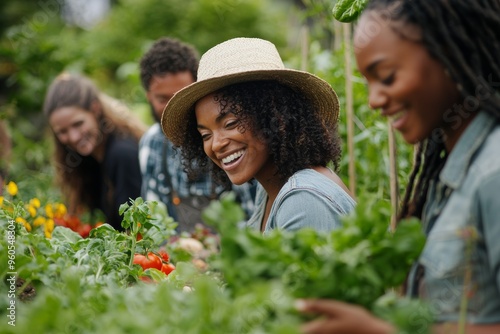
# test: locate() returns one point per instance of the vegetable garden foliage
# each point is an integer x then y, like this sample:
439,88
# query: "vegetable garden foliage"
90,286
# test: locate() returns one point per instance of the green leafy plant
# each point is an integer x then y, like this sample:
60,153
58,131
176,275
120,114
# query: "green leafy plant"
88,285
348,10
358,263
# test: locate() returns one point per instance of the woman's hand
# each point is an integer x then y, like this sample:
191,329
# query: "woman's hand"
341,318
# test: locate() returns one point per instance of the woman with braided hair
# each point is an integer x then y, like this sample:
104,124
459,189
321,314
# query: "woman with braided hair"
433,68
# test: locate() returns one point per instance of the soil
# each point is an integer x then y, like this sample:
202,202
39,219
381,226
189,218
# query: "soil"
29,291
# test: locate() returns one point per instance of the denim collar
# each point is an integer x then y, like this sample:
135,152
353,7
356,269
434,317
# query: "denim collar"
459,160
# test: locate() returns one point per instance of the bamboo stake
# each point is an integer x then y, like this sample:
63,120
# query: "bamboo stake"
304,47
337,28
393,175
349,108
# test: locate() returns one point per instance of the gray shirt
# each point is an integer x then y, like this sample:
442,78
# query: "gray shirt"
308,199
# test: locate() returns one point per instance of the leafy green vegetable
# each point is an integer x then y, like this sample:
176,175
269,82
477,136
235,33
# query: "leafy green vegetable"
86,285
356,263
348,10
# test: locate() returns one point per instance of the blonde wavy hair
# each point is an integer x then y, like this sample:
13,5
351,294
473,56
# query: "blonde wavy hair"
76,175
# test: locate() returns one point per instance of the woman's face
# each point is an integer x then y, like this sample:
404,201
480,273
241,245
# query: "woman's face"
404,81
76,128
241,155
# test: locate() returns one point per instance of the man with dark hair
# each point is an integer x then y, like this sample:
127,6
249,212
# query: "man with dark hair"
167,67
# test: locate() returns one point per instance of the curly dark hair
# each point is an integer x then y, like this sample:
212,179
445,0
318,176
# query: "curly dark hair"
168,55
284,118
464,36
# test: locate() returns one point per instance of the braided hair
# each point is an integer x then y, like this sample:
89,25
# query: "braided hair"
464,36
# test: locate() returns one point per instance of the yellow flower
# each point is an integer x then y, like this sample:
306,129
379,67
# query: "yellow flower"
48,228
1,200
39,221
35,202
23,221
60,210
49,225
12,188
49,211
32,210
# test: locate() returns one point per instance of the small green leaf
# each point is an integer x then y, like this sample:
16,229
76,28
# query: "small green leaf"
64,234
348,10
122,208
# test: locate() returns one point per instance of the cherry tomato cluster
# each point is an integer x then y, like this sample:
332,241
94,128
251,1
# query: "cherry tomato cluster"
151,260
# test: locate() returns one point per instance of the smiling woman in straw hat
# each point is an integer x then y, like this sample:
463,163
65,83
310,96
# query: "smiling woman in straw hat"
248,117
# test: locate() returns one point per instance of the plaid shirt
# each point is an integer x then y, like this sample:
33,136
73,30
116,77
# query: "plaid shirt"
155,188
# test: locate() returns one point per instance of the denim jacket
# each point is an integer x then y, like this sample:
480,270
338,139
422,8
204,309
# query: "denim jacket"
308,199
461,258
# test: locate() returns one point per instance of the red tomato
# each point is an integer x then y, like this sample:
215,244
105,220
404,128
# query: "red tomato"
73,222
167,268
151,261
164,255
84,230
60,222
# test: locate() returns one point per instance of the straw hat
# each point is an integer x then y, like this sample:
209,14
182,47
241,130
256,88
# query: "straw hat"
240,60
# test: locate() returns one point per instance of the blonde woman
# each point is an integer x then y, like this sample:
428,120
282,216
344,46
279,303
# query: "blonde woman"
96,147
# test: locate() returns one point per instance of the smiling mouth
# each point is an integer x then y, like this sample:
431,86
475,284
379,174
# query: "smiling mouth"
232,158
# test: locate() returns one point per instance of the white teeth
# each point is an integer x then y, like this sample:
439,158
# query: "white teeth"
232,157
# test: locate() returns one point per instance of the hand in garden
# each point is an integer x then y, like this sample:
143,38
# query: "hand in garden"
341,318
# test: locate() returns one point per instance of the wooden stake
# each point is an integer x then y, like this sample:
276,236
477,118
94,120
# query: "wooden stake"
393,175
337,28
304,47
349,108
